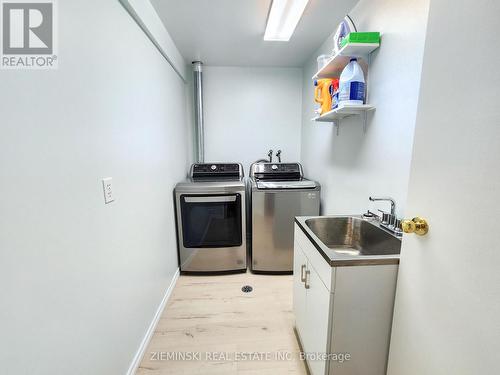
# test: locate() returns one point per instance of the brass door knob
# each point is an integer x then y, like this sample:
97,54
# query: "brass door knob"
416,225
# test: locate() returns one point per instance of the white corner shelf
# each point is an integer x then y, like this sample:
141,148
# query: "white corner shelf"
333,68
344,111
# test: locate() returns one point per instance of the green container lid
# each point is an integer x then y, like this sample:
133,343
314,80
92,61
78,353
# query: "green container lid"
363,37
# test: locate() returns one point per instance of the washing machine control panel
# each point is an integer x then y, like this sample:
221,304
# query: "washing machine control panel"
263,171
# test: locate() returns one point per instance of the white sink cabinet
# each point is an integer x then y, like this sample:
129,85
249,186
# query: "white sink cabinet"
343,315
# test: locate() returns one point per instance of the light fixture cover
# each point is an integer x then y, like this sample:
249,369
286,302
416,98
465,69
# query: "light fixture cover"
283,19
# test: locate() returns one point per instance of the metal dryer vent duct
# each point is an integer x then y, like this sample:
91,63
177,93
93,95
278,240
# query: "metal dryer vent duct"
198,111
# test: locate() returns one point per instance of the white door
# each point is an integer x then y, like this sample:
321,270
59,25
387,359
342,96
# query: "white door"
299,291
317,318
447,313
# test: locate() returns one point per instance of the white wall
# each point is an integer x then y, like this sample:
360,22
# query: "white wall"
354,165
80,281
251,110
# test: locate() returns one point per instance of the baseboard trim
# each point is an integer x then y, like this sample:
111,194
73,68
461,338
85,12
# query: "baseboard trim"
151,329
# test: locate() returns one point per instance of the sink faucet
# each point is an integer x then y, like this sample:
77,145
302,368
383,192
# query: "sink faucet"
389,221
386,199
278,155
270,156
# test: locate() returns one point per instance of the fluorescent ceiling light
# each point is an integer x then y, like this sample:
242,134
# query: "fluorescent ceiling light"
283,19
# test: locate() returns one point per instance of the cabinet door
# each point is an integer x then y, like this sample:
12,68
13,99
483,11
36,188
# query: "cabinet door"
317,321
299,290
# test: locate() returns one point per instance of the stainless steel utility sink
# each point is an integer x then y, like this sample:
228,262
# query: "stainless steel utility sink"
351,240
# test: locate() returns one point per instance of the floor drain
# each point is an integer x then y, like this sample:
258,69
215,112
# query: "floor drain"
246,289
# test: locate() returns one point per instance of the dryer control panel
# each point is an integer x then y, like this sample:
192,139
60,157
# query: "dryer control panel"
216,170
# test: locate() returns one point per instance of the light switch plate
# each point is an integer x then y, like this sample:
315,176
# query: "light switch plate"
107,186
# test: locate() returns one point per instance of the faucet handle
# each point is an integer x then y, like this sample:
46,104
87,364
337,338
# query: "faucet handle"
278,155
385,217
270,156
397,225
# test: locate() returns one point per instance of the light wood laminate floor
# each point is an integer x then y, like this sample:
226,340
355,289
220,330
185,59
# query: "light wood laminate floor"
210,315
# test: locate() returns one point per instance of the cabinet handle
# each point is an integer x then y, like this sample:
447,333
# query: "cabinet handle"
302,277
306,281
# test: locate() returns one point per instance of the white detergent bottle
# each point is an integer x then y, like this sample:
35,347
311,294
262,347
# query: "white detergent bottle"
352,84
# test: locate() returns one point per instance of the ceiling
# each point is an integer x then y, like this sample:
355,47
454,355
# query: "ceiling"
230,32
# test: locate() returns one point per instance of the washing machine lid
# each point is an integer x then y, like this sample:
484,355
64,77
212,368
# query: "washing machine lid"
284,185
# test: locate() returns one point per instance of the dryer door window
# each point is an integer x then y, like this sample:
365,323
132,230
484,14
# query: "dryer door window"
210,221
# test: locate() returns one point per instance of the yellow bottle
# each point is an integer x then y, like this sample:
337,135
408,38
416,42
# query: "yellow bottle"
322,94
